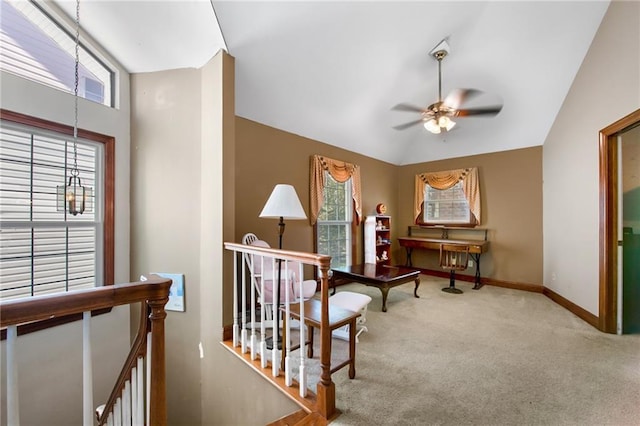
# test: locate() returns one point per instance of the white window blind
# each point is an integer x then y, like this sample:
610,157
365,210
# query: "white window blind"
446,205
43,250
334,222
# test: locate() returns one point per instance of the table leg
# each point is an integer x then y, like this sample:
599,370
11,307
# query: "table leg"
352,349
409,250
385,291
477,284
415,290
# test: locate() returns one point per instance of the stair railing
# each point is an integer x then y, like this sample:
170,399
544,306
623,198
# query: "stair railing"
153,294
252,341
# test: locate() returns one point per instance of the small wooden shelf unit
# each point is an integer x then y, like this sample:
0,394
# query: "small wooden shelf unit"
377,240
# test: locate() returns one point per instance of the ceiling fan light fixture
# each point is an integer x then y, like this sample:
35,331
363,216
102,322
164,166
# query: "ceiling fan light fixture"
446,123
432,126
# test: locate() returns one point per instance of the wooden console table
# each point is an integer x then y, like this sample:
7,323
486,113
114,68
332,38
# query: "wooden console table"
431,237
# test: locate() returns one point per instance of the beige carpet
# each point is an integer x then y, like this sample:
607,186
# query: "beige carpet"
489,357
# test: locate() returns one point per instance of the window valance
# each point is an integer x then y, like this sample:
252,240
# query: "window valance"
445,180
341,172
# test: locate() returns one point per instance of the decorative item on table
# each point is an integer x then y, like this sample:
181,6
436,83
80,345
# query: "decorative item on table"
381,208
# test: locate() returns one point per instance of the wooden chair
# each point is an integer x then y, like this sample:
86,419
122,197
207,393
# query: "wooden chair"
453,257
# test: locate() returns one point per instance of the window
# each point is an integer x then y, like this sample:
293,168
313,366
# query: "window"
333,228
45,250
36,47
443,206
451,197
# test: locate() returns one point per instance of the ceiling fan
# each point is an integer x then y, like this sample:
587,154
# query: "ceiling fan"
439,115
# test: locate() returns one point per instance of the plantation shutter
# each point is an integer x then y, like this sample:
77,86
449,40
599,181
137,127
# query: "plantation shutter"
43,250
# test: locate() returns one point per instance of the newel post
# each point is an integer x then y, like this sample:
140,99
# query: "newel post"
158,387
326,390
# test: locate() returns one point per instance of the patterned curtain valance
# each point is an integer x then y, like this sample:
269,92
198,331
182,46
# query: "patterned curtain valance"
341,172
445,180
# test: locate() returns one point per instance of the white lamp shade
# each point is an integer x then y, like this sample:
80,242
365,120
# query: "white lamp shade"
432,126
283,202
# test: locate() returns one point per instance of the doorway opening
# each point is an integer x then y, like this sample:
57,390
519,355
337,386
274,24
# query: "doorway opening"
611,229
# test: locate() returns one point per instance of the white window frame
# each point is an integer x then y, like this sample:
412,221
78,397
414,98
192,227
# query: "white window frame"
347,222
453,195
60,43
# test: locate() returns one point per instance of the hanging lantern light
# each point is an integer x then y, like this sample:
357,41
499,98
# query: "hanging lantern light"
75,198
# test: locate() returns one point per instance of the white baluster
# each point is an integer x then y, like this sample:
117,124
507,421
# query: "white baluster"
236,330
134,395
126,404
254,351
140,396
147,403
117,413
13,403
275,359
243,335
87,371
263,318
288,375
302,379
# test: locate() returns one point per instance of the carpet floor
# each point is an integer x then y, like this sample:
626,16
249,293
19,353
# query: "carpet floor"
494,356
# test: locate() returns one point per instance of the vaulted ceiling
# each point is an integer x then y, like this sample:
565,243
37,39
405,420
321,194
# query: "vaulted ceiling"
332,71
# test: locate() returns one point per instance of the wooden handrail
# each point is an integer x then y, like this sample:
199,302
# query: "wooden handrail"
320,260
326,395
37,308
153,295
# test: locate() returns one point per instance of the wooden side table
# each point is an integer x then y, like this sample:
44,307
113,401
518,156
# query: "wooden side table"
338,317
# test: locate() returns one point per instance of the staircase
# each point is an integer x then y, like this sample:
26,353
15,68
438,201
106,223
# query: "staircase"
139,393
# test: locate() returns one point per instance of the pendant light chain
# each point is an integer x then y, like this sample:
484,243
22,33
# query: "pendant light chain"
75,171
74,198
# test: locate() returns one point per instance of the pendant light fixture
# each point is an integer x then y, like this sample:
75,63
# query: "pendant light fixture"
75,198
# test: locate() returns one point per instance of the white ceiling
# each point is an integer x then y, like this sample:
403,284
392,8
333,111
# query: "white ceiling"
332,71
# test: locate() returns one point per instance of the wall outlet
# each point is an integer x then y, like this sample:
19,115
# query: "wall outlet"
470,264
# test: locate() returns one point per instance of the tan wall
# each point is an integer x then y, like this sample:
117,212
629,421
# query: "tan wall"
511,202
182,210
511,191
165,210
266,156
608,78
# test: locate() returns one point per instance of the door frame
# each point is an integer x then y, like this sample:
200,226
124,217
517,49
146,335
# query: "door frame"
608,301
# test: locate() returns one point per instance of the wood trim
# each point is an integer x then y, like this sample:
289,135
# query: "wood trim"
535,288
20,311
109,210
572,307
608,221
567,304
309,404
109,205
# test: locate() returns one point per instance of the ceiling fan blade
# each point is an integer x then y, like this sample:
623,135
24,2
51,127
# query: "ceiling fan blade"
458,96
407,125
490,110
408,107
